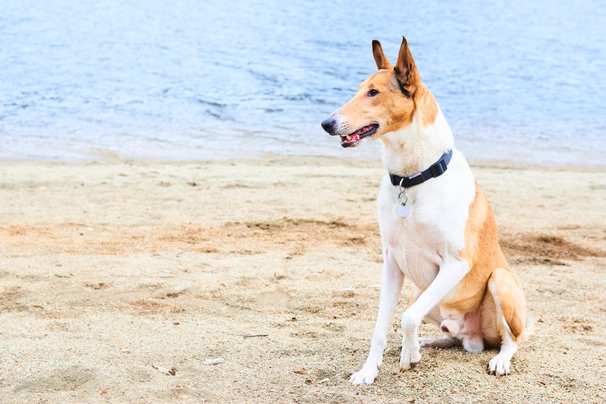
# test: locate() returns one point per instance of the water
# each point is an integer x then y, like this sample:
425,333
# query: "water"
517,80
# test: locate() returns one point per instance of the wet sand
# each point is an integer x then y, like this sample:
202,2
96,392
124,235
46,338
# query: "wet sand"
108,269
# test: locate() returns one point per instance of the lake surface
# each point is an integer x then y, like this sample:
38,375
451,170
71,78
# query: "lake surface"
517,80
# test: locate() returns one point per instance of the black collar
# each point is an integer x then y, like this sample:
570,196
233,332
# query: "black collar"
438,168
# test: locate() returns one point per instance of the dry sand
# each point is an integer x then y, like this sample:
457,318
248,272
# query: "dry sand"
107,269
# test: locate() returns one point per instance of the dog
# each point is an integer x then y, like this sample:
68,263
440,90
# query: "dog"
437,227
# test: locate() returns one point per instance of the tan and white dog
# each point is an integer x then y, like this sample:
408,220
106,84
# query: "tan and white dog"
440,233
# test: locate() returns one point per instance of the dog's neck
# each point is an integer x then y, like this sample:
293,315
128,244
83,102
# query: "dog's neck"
415,148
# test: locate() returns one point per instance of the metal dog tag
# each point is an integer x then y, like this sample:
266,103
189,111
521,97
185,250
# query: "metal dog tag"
402,210
402,207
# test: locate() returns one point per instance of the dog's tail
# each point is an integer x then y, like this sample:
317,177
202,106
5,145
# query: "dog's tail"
528,329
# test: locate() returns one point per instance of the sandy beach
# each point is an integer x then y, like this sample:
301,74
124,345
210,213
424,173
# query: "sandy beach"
119,280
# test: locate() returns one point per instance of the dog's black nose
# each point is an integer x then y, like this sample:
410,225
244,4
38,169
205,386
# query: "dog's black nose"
328,125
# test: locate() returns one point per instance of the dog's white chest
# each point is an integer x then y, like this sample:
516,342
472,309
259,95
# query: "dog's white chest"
412,247
421,260
434,227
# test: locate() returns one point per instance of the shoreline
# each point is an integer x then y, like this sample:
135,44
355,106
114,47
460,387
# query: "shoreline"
325,148
503,164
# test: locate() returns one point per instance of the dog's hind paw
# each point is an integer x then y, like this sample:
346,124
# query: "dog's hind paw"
365,376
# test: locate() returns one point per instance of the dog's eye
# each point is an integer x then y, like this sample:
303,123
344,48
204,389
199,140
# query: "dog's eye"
373,92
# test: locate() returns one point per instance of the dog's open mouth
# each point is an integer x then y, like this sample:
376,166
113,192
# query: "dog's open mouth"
354,138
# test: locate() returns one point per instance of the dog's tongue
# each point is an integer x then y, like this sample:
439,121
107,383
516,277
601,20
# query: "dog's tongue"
354,138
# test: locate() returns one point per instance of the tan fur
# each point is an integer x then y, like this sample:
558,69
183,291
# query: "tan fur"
380,59
508,290
426,104
391,109
394,111
406,69
488,265
471,294
482,253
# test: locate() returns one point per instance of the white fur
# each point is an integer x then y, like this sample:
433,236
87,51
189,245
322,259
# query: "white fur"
423,246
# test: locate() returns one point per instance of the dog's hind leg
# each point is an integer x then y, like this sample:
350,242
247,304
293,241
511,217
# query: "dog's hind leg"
509,317
446,342
391,285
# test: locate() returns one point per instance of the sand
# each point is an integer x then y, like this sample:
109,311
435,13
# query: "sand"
109,269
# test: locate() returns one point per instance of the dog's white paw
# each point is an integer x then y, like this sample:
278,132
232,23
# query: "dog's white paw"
410,353
500,365
367,375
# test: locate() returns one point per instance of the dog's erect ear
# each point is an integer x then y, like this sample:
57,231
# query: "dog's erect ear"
406,70
380,59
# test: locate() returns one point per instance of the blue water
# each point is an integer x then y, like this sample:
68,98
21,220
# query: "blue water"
517,80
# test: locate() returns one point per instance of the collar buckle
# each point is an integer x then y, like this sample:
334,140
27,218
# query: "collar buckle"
439,168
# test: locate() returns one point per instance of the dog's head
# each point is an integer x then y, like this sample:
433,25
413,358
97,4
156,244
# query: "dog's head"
385,101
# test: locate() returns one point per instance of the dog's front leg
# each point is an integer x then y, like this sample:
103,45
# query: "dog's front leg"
391,285
452,270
